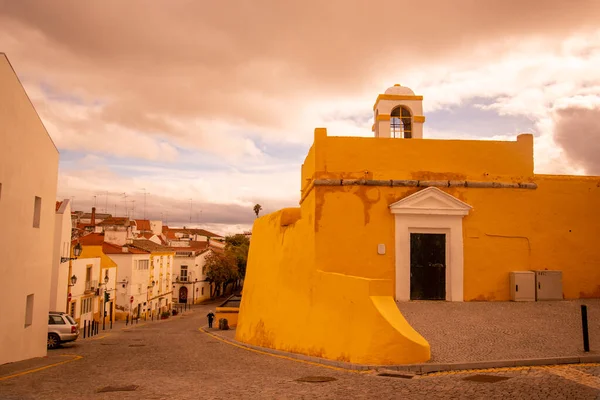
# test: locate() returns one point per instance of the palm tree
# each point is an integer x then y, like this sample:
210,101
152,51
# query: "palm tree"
257,209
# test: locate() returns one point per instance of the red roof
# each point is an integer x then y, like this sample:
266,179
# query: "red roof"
143,225
198,245
58,204
109,248
115,221
92,239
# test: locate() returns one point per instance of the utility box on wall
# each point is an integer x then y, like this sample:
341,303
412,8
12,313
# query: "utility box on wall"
548,285
522,286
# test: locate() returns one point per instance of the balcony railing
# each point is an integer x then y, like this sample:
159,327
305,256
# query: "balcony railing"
90,286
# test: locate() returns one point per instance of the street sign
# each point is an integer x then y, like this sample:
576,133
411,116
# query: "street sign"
69,297
131,299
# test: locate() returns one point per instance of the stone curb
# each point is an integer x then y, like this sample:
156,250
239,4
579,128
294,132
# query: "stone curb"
423,368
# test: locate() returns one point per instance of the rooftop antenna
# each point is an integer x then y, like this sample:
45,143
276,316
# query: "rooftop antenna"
106,203
133,209
190,211
125,201
94,201
145,203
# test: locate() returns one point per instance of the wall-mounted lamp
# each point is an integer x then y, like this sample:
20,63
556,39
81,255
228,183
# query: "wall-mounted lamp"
76,251
73,280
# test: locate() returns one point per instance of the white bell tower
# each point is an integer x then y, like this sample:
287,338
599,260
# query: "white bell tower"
399,114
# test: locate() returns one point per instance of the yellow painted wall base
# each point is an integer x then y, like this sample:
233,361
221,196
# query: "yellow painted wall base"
291,305
229,313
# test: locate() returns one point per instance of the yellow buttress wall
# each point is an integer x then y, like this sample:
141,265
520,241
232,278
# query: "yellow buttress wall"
291,305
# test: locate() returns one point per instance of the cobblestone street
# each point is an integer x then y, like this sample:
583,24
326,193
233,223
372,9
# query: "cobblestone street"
172,359
485,331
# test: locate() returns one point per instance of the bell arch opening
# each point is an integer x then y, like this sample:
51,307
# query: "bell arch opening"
401,123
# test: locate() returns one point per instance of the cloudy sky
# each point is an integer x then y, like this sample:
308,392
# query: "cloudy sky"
209,107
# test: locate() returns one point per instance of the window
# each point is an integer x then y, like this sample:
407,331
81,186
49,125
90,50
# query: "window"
202,291
86,305
142,264
72,310
88,277
29,311
56,320
184,273
37,211
204,270
401,123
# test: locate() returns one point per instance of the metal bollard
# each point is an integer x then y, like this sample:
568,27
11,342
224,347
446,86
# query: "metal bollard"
584,328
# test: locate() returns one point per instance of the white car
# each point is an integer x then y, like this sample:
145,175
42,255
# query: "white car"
61,328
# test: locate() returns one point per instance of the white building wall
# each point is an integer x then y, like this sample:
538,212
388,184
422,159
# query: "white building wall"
118,237
60,271
198,291
131,281
156,227
161,272
28,168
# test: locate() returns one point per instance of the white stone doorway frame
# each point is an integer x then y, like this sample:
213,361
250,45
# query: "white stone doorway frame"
430,210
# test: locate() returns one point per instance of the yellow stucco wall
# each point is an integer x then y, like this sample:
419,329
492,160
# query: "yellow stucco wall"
290,304
554,226
229,313
316,285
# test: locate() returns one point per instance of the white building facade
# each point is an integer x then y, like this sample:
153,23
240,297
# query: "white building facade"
190,272
133,272
28,179
60,260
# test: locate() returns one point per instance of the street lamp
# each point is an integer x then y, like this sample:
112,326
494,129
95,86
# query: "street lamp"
76,252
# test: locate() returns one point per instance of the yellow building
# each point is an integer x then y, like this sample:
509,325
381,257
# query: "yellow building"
397,218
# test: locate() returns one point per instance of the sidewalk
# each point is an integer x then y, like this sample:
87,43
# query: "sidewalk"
477,335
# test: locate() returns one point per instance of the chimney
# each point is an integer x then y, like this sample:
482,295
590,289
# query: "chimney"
93,221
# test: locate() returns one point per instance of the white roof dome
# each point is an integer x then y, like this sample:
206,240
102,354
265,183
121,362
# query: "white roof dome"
397,89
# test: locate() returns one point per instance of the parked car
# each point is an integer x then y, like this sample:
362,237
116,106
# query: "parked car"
61,328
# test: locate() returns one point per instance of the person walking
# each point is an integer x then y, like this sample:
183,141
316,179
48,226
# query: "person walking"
210,317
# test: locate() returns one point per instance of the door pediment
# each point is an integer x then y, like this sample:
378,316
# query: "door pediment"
430,201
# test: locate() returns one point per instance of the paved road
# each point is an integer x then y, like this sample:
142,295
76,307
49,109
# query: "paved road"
172,359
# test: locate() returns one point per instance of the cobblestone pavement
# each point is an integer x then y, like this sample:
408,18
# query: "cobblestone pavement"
484,331
172,359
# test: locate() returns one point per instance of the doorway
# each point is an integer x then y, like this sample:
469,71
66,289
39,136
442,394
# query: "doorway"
183,293
427,266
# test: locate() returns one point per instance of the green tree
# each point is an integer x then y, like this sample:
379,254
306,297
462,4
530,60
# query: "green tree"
221,269
257,209
237,247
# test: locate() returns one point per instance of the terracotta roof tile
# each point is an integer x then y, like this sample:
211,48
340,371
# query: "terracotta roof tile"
124,221
58,204
91,239
204,232
143,225
148,245
109,248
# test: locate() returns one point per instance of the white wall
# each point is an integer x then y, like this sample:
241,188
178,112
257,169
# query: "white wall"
156,227
162,274
118,237
195,265
137,281
28,168
60,271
